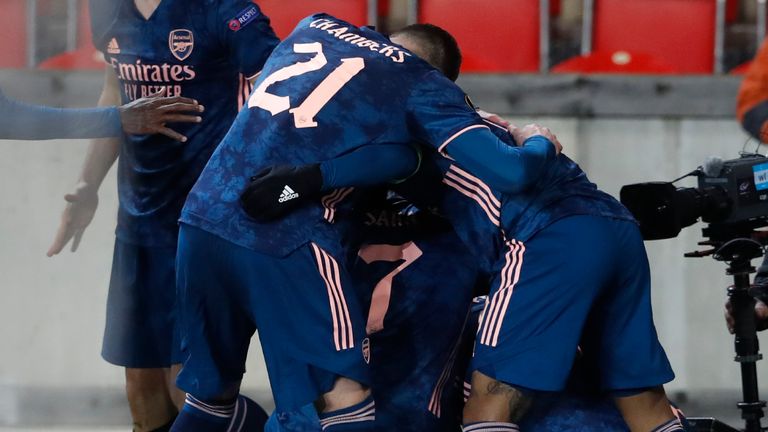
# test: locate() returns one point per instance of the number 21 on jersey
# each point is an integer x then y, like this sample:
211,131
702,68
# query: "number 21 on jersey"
304,114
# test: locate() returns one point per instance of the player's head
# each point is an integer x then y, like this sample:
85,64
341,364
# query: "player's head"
432,44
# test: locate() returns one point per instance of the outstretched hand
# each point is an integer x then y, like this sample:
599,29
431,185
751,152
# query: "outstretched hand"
77,215
149,115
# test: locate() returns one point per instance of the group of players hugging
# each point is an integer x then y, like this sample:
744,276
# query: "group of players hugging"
410,263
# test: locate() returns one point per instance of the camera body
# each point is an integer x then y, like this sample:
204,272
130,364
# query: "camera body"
732,196
745,181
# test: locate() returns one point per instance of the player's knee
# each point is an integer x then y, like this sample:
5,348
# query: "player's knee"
145,382
492,400
345,393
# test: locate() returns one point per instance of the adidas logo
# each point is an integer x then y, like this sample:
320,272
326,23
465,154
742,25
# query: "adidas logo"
287,194
113,47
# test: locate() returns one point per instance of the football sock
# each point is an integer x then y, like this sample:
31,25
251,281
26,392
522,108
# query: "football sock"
490,427
358,417
670,426
198,416
248,416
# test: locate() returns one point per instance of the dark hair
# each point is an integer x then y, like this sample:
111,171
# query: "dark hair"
440,47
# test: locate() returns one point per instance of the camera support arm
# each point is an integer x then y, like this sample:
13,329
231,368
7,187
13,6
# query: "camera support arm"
737,254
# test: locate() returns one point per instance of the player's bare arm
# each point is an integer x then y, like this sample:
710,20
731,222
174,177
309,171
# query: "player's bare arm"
148,115
82,202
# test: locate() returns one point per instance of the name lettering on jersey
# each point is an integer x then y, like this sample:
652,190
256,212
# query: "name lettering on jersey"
181,42
243,18
141,79
386,218
343,33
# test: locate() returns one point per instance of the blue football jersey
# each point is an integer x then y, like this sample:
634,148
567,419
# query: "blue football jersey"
485,218
326,90
200,49
419,286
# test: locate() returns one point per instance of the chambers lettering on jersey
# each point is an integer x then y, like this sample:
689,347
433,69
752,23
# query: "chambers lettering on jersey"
347,34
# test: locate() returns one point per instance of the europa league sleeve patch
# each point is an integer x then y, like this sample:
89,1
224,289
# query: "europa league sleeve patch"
245,17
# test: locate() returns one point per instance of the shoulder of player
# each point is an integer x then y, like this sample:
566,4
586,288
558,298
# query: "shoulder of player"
227,5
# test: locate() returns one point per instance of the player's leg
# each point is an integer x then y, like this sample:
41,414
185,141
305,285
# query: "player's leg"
311,329
177,395
215,330
630,358
418,327
152,408
139,331
532,323
648,410
491,400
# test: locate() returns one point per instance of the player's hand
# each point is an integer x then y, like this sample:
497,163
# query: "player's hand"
494,118
761,316
277,191
150,115
81,206
522,134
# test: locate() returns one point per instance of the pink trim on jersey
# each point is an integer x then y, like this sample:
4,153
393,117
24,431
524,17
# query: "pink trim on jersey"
254,76
457,134
244,89
342,324
366,413
498,299
490,123
435,401
348,337
234,416
225,411
467,391
382,292
510,275
495,201
474,192
332,200
491,427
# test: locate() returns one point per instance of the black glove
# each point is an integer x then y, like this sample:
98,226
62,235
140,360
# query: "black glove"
276,191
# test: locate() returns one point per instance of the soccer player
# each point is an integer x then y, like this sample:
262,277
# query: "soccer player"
326,90
415,280
143,116
202,50
419,282
544,297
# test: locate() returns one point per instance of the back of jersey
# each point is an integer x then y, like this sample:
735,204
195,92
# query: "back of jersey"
326,90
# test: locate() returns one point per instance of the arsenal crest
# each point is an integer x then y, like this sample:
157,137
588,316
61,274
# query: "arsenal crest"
181,42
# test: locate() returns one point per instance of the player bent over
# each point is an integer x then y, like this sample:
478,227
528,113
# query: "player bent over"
569,265
327,90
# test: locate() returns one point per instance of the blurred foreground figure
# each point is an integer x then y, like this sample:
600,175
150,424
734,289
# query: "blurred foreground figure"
205,50
752,113
147,115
